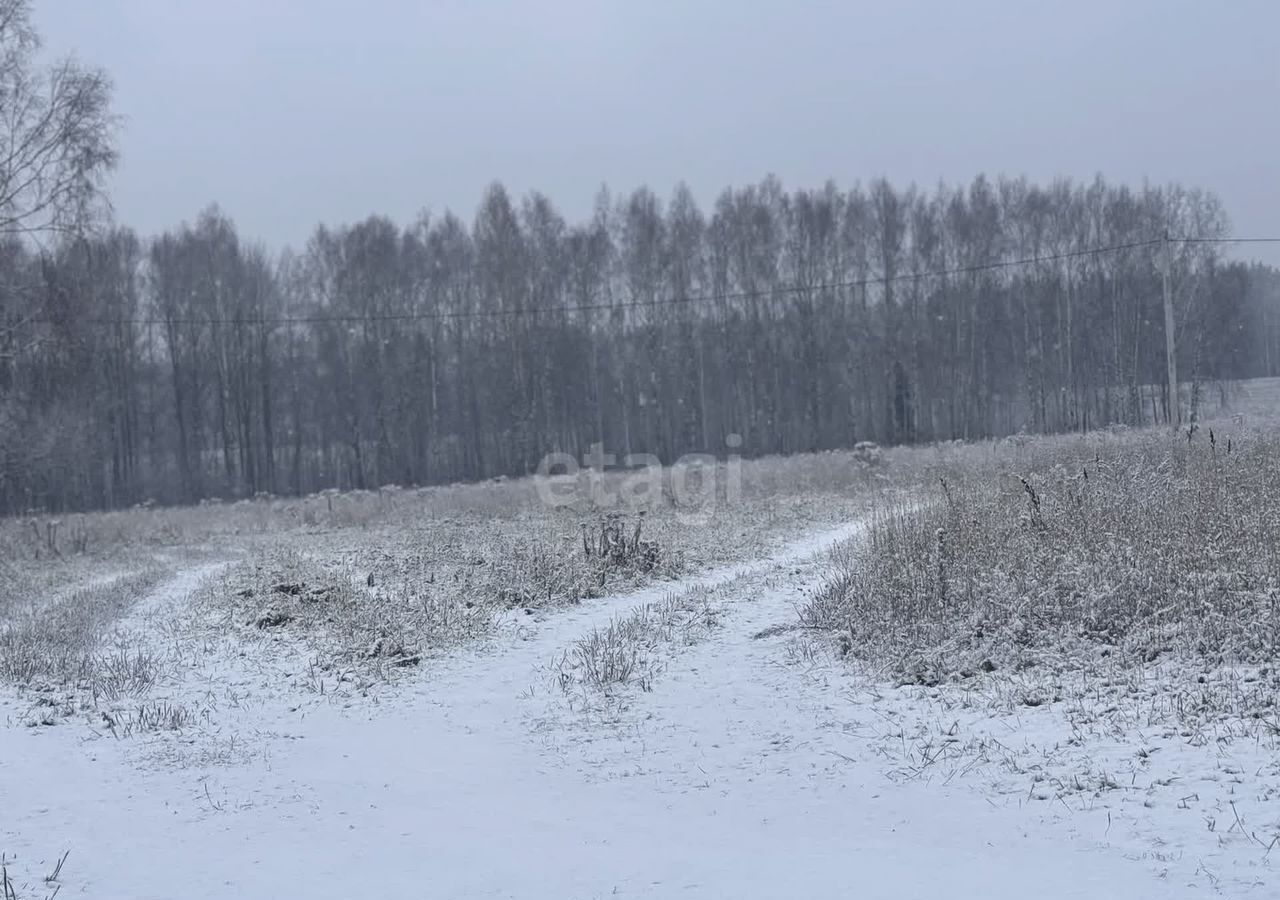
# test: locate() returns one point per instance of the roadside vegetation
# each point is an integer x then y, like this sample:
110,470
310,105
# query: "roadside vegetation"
1078,559
1027,559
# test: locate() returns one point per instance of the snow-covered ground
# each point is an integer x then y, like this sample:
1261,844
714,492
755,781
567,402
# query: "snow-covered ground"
752,767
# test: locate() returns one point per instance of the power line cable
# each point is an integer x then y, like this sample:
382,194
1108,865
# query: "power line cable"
1250,240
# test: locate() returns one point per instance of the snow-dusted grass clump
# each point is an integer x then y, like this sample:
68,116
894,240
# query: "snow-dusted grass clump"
378,600
630,649
62,643
1069,554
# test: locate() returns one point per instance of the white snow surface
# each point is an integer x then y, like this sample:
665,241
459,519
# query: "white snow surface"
743,773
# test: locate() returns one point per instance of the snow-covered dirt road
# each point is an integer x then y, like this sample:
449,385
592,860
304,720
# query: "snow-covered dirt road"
734,776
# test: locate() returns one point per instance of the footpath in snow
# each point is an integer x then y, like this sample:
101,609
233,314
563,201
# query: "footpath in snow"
734,776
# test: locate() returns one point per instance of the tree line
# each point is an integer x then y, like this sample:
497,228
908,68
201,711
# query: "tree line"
197,364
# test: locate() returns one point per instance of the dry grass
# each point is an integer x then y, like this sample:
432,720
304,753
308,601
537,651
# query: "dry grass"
380,600
1064,552
51,887
630,650
436,569
1086,622
68,657
62,644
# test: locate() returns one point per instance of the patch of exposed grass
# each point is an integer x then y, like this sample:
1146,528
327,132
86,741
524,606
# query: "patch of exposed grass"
381,604
629,650
1064,552
348,617
147,717
67,656
430,577
62,644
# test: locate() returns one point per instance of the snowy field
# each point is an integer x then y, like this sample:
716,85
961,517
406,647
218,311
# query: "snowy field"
322,699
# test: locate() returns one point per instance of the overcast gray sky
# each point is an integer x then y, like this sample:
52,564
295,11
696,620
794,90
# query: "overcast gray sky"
292,112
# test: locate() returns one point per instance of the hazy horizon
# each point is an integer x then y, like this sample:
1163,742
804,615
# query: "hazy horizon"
294,114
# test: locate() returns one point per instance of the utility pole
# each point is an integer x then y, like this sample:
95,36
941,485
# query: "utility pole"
1170,352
